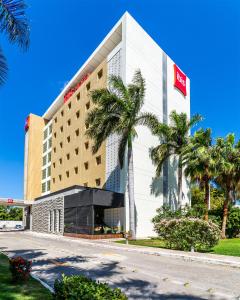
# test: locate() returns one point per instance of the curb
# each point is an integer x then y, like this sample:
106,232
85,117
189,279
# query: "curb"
129,248
43,283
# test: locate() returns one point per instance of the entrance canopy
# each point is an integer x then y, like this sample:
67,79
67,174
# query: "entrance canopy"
14,202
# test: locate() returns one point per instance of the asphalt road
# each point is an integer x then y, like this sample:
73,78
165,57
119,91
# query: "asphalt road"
141,276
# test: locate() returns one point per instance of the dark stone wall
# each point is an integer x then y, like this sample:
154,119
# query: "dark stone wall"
40,214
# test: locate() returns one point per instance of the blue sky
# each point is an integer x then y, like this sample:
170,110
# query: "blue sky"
201,36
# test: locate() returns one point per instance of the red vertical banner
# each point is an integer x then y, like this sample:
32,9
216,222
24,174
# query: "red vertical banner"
180,80
27,123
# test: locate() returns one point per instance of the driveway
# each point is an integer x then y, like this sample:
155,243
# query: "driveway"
141,276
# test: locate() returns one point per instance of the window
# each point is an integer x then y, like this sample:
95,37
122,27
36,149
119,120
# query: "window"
50,129
98,160
76,151
49,143
49,171
87,126
88,86
69,122
49,157
69,105
62,113
61,128
60,177
43,187
78,96
55,134
100,74
55,120
87,105
85,184
44,173
44,160
48,185
45,147
68,156
60,161
98,182
61,144
54,165
67,174
86,165
76,170
86,145
77,114
54,149
68,139
77,132
45,134
54,180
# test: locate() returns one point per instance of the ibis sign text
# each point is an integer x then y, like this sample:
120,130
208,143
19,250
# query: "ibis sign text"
180,80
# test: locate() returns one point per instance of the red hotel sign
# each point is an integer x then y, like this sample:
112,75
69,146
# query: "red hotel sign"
180,80
27,123
72,90
9,200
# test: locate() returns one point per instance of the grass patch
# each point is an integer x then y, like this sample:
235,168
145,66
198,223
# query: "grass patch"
228,247
224,247
31,290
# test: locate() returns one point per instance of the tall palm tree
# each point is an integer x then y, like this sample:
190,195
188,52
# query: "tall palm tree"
200,163
118,110
14,24
227,154
173,140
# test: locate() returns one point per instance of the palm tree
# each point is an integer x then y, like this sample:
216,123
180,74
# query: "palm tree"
200,163
227,154
173,140
118,110
14,24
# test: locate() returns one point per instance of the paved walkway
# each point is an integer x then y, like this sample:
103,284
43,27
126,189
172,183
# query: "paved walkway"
140,275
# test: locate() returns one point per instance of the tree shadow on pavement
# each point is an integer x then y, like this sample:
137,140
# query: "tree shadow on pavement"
48,269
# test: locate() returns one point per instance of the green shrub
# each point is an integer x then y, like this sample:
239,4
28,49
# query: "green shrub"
185,233
233,222
78,287
20,268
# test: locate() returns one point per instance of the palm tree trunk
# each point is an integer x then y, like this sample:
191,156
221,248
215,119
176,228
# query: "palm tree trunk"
132,226
206,200
180,182
225,212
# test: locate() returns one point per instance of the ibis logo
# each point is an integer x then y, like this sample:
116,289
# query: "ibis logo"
180,80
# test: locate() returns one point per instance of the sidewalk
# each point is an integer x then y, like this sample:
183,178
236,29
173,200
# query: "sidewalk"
207,258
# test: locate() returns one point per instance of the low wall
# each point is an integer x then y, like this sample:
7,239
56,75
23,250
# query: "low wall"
11,224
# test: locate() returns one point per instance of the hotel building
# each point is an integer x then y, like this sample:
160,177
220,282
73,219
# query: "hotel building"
72,190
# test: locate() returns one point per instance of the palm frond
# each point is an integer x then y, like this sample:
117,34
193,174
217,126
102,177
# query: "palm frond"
3,67
148,119
122,147
14,23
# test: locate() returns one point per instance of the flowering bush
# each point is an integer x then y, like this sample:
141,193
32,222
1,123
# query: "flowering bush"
185,233
20,268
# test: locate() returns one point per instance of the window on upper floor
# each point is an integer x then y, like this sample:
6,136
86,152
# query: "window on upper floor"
77,132
44,160
44,173
86,144
98,181
78,114
69,105
88,86
86,165
76,151
88,105
100,74
67,174
98,160
45,134
78,96
68,156
76,170
43,187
